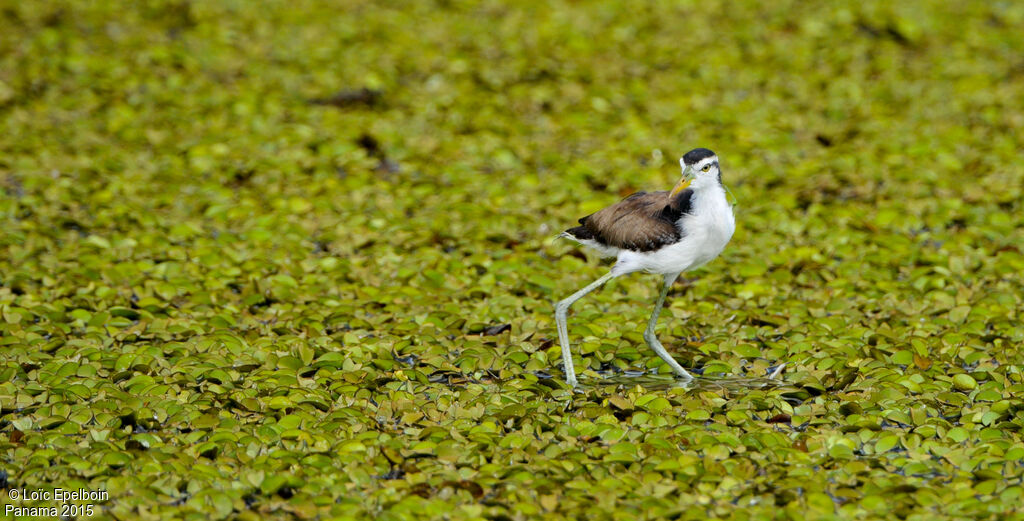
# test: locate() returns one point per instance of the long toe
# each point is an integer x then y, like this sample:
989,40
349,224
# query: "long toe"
684,373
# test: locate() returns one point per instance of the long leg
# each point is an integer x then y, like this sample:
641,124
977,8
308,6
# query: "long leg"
563,330
652,339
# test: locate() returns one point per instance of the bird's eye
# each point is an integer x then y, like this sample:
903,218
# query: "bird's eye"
706,168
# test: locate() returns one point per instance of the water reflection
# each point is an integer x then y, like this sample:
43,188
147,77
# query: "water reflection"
658,382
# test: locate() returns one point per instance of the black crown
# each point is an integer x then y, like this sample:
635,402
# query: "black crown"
696,155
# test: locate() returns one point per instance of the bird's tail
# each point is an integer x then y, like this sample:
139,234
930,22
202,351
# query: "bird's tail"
579,233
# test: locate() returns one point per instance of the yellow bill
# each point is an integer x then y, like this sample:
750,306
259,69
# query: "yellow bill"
683,183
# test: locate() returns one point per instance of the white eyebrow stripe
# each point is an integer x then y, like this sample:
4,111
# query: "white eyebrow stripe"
707,161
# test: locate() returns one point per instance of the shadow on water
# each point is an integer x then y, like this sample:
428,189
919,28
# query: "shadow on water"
655,382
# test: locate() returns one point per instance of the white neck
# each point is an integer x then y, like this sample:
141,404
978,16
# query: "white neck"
713,210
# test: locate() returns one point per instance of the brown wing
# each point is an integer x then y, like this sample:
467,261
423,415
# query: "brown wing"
644,221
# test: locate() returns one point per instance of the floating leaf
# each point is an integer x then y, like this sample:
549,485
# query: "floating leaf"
964,382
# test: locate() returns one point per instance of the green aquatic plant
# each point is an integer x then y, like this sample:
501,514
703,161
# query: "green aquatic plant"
295,260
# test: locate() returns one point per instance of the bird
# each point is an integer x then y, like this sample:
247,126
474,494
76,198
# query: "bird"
664,233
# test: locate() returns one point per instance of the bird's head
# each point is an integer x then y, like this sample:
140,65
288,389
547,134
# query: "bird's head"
700,170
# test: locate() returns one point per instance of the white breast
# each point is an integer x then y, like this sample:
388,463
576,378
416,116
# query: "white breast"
711,224
706,231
